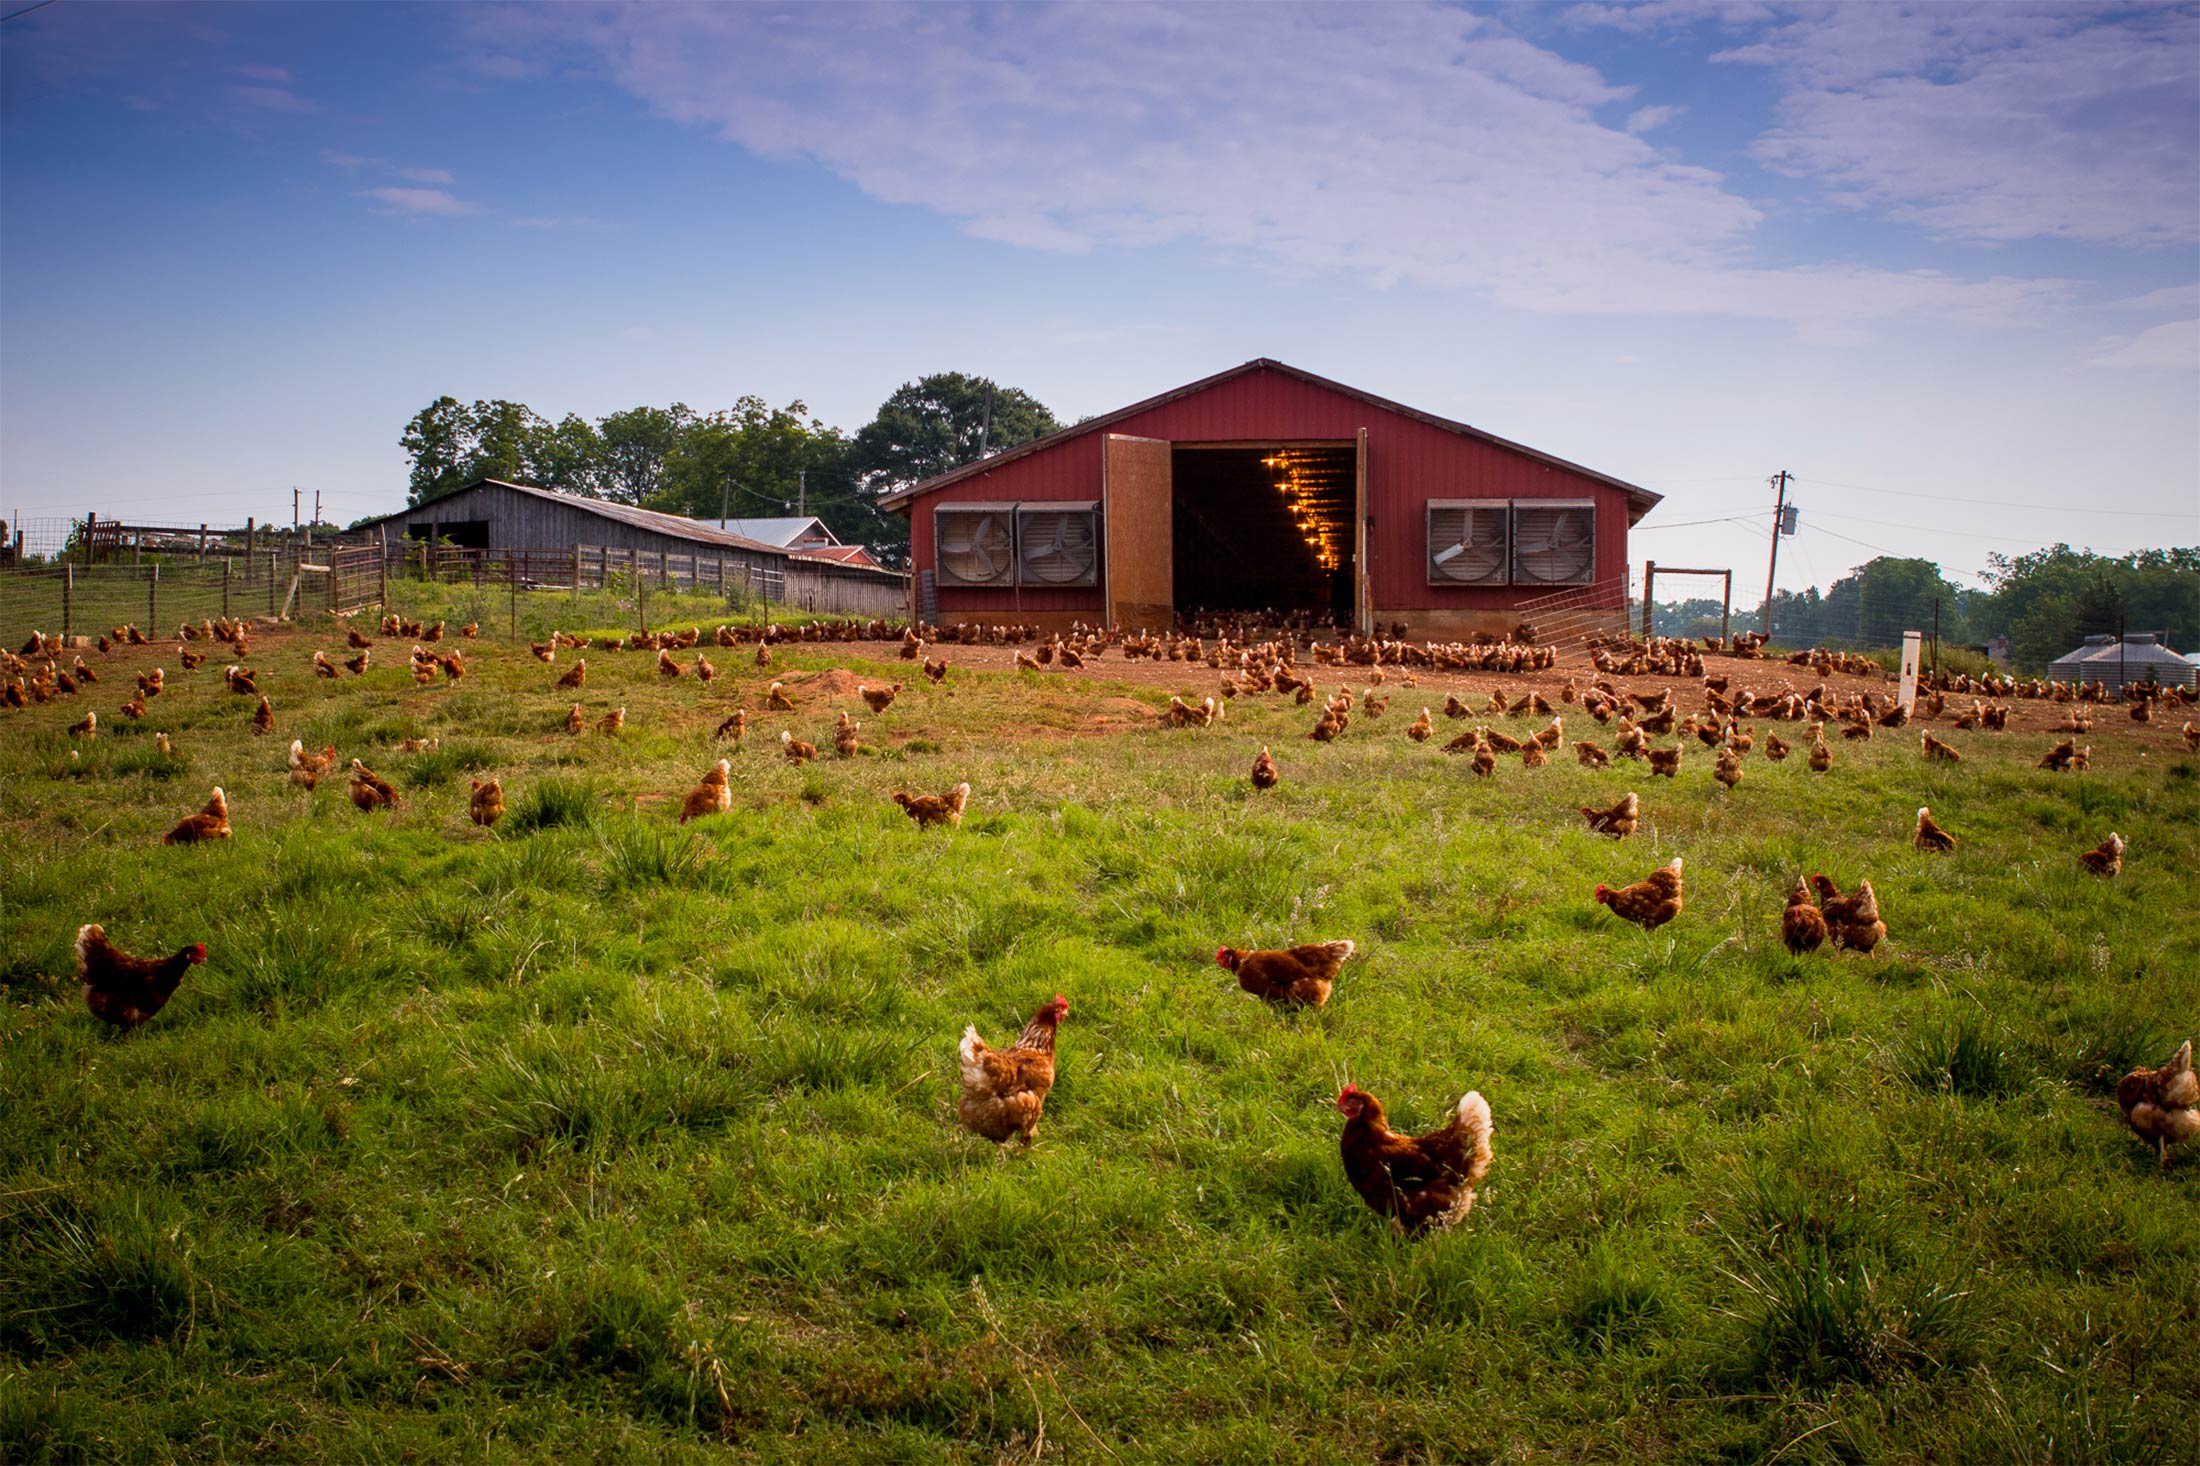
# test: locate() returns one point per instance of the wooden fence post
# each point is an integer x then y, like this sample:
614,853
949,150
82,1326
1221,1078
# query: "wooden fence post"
511,573
225,587
68,588
270,582
250,533
152,597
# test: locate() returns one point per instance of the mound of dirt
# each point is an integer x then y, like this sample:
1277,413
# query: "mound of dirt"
840,682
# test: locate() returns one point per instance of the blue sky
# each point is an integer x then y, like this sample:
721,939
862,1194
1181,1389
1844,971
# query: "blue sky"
1940,262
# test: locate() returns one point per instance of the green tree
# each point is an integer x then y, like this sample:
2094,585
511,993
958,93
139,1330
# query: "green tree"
636,446
930,426
438,440
2050,600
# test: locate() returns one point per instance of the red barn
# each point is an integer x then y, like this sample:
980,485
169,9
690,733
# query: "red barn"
1266,487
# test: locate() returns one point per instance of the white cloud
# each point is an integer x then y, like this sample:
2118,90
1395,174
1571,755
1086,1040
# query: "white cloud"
276,75
1649,119
1436,148
425,175
419,201
272,99
351,162
1654,15
2175,346
1994,123
2175,298
554,224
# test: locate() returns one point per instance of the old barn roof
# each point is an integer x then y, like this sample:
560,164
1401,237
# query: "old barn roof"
1641,500
678,526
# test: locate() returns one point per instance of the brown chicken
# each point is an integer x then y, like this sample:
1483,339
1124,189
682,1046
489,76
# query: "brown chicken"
306,769
240,681
736,724
263,717
705,673
576,674
1666,762
1776,747
795,749
1946,752
323,667
1619,821
1590,755
712,796
126,990
370,791
357,666
1802,925
1301,974
1418,1181
1419,729
878,699
1853,920
844,736
1821,755
2059,758
935,809
2106,858
1929,835
1004,1091
779,702
210,823
666,666
87,726
2163,1105
612,722
486,806
1727,769
1484,762
1265,775
1650,902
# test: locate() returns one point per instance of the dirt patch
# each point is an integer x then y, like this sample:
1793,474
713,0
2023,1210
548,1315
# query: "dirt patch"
839,682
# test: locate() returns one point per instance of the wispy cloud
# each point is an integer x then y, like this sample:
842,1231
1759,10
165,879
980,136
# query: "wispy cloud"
351,162
426,175
1648,119
1996,122
557,223
274,75
2175,298
1438,148
419,201
2175,347
271,99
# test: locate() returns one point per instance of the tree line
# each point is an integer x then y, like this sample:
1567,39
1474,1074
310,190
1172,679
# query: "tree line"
748,461
2046,603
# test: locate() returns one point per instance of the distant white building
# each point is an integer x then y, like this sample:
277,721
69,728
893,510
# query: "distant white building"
2140,657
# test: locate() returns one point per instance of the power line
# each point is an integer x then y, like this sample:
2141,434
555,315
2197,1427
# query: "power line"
1692,523
26,10
1995,503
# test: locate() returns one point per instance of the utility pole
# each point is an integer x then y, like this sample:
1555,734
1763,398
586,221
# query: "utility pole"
1772,567
725,496
294,511
801,491
985,427
316,518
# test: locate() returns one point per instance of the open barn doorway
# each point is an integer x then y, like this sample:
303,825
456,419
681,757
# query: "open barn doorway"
1267,527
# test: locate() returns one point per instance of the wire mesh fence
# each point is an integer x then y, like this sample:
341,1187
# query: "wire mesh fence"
157,594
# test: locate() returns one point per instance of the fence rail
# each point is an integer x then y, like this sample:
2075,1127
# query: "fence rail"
155,595
1579,614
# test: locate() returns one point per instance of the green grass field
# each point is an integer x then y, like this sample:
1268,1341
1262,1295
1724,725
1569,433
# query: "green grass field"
603,1138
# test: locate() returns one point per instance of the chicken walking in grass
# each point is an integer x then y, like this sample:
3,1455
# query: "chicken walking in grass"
1802,925
1821,755
1265,774
712,796
210,823
87,727
778,701
575,675
844,736
1931,836
878,699
613,722
934,809
1852,921
307,769
2163,1105
795,749
1946,753
486,805
1727,768
1004,1091
736,724
124,990
1650,902
1302,974
1620,820
1420,1182
1590,755
2106,858
370,791
575,720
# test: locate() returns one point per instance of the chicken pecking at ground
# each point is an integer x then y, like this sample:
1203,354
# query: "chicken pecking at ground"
844,735
795,749
2106,858
2163,1105
736,723
306,769
936,671
1666,762
935,809
778,701
1265,775
369,790
1945,752
1418,1181
1931,836
712,796
1005,1090
1852,921
486,806
1590,755
125,990
575,675
613,721
210,823
1650,902
1802,925
1302,974
1619,821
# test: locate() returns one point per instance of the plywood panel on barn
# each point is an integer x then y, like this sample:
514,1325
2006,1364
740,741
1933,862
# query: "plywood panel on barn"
1138,515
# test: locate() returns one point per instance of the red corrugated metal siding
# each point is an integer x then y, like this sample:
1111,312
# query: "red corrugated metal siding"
1408,463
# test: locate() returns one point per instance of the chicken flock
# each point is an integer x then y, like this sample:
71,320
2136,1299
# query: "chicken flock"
1417,1182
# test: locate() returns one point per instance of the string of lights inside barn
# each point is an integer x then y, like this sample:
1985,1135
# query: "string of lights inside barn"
1303,485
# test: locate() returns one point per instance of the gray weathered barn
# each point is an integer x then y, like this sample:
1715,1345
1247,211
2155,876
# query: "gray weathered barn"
494,515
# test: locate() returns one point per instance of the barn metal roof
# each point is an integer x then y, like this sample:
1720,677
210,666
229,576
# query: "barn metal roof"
678,526
1642,499
787,531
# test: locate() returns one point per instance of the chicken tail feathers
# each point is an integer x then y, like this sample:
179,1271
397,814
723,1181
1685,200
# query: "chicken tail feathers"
1475,1121
972,1047
90,938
